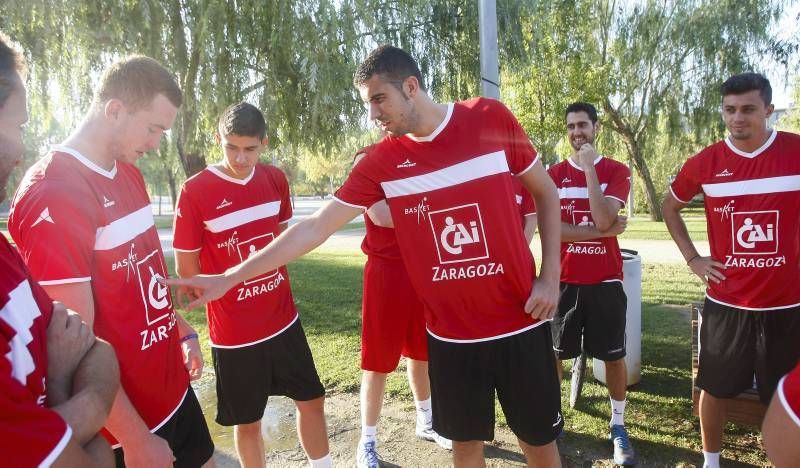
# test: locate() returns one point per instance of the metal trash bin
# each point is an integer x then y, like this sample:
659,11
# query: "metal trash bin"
632,284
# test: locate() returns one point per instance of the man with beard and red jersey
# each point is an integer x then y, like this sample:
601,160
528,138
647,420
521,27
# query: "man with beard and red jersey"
82,220
750,182
592,309
57,381
226,213
467,258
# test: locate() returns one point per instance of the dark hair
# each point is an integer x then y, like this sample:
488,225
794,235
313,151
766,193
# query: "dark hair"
746,82
582,107
393,63
243,119
136,81
12,65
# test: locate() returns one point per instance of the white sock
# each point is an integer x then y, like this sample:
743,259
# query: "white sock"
711,459
369,433
324,462
617,412
424,413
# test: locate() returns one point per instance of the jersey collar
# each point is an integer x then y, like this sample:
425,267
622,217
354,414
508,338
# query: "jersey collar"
576,166
755,153
85,161
217,172
438,130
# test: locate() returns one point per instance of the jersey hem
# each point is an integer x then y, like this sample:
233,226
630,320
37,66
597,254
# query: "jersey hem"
164,421
296,316
530,166
186,250
617,199
785,402
56,452
490,338
65,281
752,308
361,207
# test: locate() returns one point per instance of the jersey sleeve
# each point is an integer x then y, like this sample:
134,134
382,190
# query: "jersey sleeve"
361,188
619,184
188,225
55,231
686,184
789,394
521,155
286,212
528,206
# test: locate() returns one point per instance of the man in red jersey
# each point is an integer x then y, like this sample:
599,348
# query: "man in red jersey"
57,382
467,258
392,325
751,317
592,309
83,222
781,428
226,213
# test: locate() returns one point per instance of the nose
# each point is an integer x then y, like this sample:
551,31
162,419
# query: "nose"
374,111
240,157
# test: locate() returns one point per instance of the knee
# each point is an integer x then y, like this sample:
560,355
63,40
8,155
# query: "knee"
251,429
311,407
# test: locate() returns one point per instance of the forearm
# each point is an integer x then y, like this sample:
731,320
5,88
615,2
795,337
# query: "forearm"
94,386
601,211
529,228
677,229
184,328
573,233
124,421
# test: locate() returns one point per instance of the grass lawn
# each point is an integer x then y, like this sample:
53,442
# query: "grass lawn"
327,288
641,227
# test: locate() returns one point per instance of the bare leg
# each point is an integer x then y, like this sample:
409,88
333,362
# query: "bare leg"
312,428
418,379
545,456
468,454
249,444
373,385
616,379
712,421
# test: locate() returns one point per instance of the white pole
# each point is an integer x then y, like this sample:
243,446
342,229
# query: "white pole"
490,71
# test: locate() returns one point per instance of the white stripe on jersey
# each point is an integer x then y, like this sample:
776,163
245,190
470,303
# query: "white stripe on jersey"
19,313
785,402
753,186
124,230
578,192
243,216
475,168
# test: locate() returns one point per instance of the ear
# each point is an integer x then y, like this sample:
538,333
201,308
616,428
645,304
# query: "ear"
770,109
265,142
113,109
411,86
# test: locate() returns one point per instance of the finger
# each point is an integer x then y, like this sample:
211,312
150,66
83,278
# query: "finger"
178,282
199,302
716,264
716,275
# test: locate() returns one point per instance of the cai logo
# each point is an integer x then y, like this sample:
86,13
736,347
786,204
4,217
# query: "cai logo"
582,218
755,232
155,296
250,247
458,233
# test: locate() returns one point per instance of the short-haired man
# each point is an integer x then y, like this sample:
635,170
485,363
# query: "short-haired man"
82,220
750,182
226,213
592,308
467,257
57,381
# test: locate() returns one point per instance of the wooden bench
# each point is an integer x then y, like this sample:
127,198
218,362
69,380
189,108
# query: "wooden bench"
744,409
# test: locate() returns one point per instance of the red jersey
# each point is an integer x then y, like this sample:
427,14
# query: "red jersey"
524,200
227,220
451,197
30,434
789,393
752,204
595,260
74,222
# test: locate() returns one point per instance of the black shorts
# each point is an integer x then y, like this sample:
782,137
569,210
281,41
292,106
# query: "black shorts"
187,434
521,368
594,314
736,344
247,376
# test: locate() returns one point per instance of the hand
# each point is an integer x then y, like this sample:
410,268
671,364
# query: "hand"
193,358
617,228
707,269
543,300
68,341
187,295
203,288
149,452
586,155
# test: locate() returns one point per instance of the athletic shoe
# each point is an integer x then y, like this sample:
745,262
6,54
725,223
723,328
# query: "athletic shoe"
623,450
367,456
426,432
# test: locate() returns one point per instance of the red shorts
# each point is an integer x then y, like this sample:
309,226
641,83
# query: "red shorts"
393,322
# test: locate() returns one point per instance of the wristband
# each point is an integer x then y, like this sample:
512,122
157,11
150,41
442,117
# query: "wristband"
188,337
692,259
